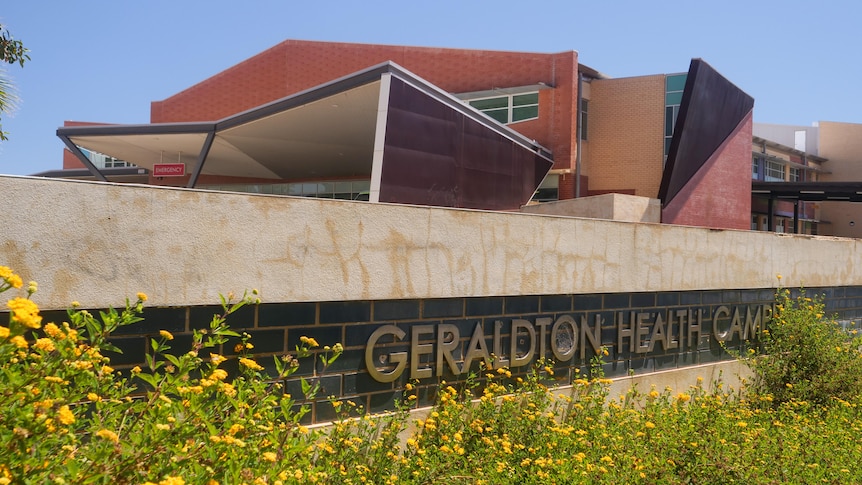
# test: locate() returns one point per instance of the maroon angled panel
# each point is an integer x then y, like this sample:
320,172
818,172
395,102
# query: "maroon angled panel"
712,109
435,154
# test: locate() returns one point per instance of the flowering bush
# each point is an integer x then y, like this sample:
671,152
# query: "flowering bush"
68,417
806,355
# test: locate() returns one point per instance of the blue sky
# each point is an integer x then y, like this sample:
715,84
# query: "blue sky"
106,60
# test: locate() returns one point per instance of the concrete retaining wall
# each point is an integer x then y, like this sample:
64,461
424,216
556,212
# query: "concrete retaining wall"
100,243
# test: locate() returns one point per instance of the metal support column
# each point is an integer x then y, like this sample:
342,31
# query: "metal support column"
83,158
796,217
208,143
770,224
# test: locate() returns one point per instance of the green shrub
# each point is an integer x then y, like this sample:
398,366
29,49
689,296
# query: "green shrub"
806,355
67,417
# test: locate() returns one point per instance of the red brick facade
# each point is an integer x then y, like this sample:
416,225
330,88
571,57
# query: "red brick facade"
719,194
293,66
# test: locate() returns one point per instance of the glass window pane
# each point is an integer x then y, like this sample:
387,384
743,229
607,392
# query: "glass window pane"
361,185
525,113
675,83
490,103
501,115
673,98
523,99
668,121
551,181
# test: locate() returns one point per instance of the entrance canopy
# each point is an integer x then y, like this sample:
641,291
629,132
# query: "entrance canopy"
345,129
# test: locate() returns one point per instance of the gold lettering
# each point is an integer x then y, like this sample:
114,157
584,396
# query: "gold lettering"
417,350
642,330
517,325
499,360
564,341
543,323
625,331
444,348
398,358
720,336
478,349
595,338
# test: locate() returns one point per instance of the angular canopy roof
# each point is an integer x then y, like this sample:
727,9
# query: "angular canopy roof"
325,132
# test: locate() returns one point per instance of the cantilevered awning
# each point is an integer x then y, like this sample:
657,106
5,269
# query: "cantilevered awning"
343,129
808,191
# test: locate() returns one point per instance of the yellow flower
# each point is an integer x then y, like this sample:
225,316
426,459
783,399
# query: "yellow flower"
93,397
19,342
142,296
309,341
44,344
136,370
269,456
250,364
4,332
649,425
65,415
219,375
52,330
108,435
217,359
166,335
10,277
169,480
24,311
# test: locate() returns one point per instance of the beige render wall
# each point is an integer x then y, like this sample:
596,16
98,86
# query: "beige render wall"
616,207
99,243
841,143
626,134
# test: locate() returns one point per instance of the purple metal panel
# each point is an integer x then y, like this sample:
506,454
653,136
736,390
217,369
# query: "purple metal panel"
435,155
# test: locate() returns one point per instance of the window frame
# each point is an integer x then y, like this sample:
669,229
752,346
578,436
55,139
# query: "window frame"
510,108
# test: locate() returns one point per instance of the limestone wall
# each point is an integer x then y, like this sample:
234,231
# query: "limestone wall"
99,243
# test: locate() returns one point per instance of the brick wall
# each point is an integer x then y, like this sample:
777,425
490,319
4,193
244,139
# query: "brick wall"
293,66
626,135
719,194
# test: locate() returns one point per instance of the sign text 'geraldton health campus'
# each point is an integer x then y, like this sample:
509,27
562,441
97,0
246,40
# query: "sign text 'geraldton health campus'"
432,346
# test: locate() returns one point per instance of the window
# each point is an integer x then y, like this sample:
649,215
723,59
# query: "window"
673,89
585,105
101,160
755,168
337,189
509,109
774,172
795,174
549,190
